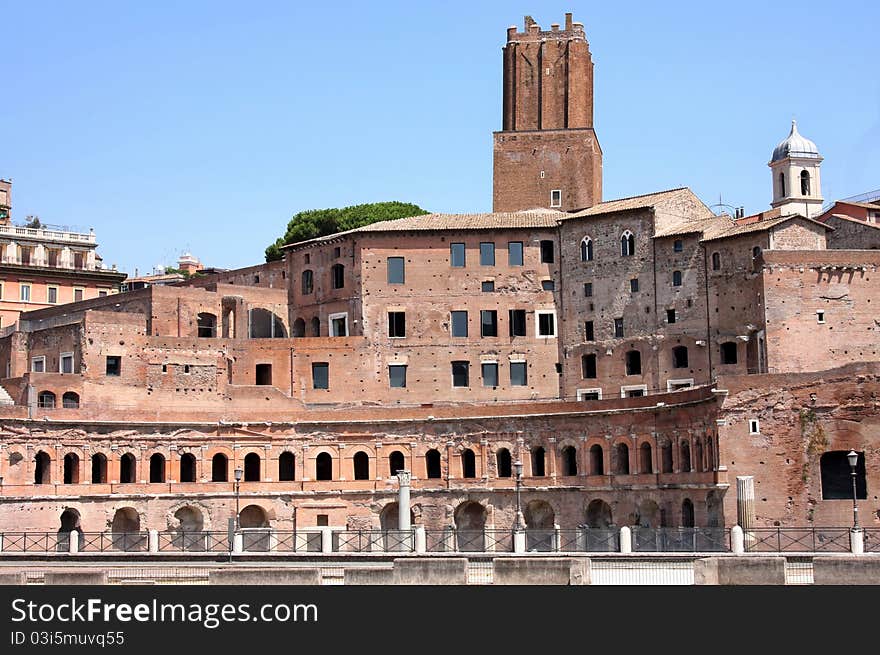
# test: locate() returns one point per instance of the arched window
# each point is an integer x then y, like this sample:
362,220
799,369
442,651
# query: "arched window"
207,325
396,462
323,467
502,460
299,328
569,461
157,468
468,464
252,467
679,357
432,464
127,468
716,261
633,362
70,400
187,467
805,183
698,455
308,282
286,466
538,462
685,457
676,278
597,460
337,274
361,463
687,513
756,251
666,457
219,468
586,249
71,468
46,400
728,352
710,454
99,468
621,459
42,468
627,244
646,459
782,185
316,327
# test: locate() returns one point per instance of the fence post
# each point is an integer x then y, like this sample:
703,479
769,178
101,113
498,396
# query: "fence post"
238,543
1,542
557,538
326,540
626,545
73,546
153,541
737,540
857,541
273,541
519,541
421,541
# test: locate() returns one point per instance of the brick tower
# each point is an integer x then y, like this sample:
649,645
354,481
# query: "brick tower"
547,153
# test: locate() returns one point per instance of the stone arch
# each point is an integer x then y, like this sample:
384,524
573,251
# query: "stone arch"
597,460
219,468
569,461
71,468
646,458
316,326
42,468
470,524
599,514
666,464
390,515
253,521
99,468
70,521
46,400
299,328
540,522
286,466
157,467
70,400
265,324
127,468
432,464
503,463
687,513
539,458
396,462
361,465
586,249
685,462
206,325
620,459
252,467
648,514
468,463
126,530
698,455
187,468
324,466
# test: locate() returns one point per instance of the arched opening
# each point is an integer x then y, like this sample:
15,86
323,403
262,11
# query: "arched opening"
716,261
627,244
71,468
219,468
666,457
99,468
190,525
252,467
646,459
157,468
713,510
468,463
70,400
253,516
569,461
125,530
597,460
299,328
323,467
361,466
286,466
538,457
308,282
432,464
687,513
648,515
337,276
782,185
263,324
620,464
389,518
586,249
599,515
540,519
805,183
679,357
42,468
698,455
396,462
316,327
254,523
207,325
503,463
676,278
70,521
633,362
728,352
46,400
685,457
470,524
187,467
127,468
710,454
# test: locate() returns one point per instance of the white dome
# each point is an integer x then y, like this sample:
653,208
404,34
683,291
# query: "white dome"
795,146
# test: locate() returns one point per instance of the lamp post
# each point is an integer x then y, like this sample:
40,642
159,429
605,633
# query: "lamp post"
518,469
853,458
238,475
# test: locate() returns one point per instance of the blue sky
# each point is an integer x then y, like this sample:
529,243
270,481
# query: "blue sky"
203,126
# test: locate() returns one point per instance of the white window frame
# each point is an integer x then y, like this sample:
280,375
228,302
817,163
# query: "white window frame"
61,362
538,313
21,287
633,387
558,193
820,316
754,426
681,382
582,392
337,316
42,360
75,289
48,289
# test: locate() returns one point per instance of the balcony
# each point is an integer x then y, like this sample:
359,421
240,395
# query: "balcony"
45,234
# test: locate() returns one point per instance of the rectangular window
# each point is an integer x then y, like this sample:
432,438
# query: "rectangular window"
589,394
548,285
490,374
103,293
38,365
459,324
556,198
337,272
320,375
588,366
262,374
65,363
52,295
487,254
517,318
820,316
396,325
546,321
337,251
678,245
634,285
114,365
670,316
488,323
460,374
78,294
25,292
338,325
396,274
547,252
589,334
457,255
588,290
397,376
514,253
518,374
487,286
618,328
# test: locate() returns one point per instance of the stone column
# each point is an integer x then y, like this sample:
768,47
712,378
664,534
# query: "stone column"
404,479
745,501
625,540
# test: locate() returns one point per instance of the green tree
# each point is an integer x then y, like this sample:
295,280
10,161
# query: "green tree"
314,223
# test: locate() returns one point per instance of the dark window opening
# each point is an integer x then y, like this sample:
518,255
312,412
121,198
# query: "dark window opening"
320,375
597,460
308,282
286,466
114,365
99,468
587,250
670,316
487,286
837,478
219,468
460,374
323,467
621,459
264,374
569,461
42,468
646,459
679,357
588,366
548,285
337,274
517,319
252,467
361,466
502,461
546,324
432,464
805,183
126,468
547,252
468,463
618,328
187,467
676,278
633,362
678,245
71,468
627,244
728,352
538,456
518,374
588,290
157,468
716,261
396,462
488,323
634,285
397,376
589,332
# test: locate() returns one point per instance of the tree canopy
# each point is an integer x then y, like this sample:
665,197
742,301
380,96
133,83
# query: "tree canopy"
314,223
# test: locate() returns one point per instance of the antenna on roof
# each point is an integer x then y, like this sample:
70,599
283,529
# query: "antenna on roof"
737,212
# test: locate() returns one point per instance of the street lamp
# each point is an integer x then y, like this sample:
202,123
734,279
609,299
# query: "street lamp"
853,458
518,469
238,475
